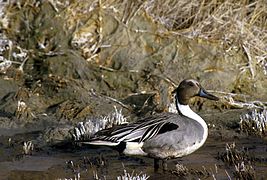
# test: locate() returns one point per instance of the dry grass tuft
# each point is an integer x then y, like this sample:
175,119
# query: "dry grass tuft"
236,24
233,156
27,148
85,130
183,172
244,171
132,176
180,170
240,159
254,122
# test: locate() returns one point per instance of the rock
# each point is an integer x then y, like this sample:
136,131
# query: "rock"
84,59
55,135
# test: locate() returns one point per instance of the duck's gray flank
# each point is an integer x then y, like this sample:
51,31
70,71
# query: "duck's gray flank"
162,136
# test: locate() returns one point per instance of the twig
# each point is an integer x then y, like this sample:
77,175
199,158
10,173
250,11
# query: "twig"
111,99
250,64
107,69
52,2
229,177
117,101
251,104
167,79
227,93
22,64
131,10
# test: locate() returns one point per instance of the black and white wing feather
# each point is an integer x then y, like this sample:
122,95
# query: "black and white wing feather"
139,131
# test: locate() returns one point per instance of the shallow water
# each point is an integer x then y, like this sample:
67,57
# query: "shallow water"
68,161
57,163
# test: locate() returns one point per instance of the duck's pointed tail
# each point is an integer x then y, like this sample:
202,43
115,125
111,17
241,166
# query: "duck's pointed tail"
99,143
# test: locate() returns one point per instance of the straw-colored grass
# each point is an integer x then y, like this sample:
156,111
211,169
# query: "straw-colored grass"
254,122
236,24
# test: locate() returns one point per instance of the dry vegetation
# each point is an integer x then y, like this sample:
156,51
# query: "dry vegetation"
235,24
254,122
239,158
84,130
233,155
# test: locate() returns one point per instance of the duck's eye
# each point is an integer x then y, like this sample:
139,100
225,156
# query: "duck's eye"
191,84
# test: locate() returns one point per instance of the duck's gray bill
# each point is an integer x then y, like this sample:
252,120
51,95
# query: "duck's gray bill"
205,94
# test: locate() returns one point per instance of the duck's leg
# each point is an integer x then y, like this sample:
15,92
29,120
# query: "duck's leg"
164,165
156,164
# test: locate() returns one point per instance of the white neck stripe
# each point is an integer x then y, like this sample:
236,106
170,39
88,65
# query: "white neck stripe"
187,111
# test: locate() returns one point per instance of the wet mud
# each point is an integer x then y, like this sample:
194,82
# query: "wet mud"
67,160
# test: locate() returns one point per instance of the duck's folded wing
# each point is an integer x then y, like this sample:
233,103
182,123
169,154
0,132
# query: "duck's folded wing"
140,131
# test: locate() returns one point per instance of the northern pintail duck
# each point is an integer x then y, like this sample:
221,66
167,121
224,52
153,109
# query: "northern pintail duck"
162,136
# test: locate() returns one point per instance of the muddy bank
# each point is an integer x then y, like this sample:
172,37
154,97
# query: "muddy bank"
70,161
61,53
66,62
